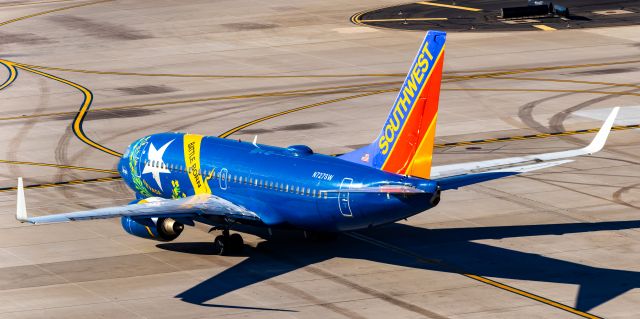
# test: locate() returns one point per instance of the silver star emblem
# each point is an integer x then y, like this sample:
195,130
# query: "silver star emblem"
155,165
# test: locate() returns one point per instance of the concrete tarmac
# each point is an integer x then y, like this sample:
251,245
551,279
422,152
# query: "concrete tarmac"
558,243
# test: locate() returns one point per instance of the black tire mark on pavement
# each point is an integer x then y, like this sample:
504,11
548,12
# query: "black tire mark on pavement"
25,128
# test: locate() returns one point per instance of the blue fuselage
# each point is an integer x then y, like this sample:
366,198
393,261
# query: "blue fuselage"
286,187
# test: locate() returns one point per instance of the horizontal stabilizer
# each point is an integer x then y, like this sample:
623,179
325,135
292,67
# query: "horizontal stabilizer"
454,182
456,175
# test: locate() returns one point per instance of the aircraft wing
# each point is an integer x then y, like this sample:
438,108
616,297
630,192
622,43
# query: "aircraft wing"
192,206
456,175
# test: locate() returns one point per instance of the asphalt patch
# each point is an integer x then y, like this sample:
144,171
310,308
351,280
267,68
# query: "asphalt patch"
22,38
100,29
606,71
247,26
292,127
583,14
146,89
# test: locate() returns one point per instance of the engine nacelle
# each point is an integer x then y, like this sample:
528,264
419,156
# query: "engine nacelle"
161,229
435,199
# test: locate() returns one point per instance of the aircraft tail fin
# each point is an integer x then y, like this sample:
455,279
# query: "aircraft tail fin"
405,143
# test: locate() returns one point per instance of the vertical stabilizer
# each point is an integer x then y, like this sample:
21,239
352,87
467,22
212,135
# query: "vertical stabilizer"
405,143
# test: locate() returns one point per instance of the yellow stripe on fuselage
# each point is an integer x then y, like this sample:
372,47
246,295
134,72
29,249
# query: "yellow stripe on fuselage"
192,160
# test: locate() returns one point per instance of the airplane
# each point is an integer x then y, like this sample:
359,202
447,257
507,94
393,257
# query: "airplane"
180,179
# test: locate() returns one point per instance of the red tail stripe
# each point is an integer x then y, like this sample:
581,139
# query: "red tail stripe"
416,125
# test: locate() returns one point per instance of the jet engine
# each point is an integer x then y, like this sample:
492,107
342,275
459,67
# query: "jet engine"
161,229
435,199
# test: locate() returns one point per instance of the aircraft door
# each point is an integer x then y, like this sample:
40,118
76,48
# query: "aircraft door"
222,180
343,197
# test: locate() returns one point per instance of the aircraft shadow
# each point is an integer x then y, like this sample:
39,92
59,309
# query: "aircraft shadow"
454,246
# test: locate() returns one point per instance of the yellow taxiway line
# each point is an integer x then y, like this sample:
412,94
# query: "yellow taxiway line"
81,168
66,183
405,19
32,3
51,11
450,6
268,117
13,74
82,113
544,27
213,76
479,278
173,103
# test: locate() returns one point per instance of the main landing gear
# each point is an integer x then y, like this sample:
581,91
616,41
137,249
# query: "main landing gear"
228,244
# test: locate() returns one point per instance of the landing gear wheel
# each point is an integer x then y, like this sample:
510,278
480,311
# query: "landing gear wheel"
221,245
320,236
226,244
236,242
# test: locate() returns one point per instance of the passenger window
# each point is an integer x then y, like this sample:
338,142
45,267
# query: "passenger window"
308,192
313,193
270,185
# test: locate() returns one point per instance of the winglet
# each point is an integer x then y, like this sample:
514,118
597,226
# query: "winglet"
601,138
21,208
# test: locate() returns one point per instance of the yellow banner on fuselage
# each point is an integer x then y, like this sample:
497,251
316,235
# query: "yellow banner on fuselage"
192,161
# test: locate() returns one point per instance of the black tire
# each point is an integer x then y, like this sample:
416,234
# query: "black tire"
236,243
321,237
221,244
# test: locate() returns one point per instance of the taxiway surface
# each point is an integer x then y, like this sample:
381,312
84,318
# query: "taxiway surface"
561,243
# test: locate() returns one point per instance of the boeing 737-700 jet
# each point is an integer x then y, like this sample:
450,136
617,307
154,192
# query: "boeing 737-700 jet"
180,179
